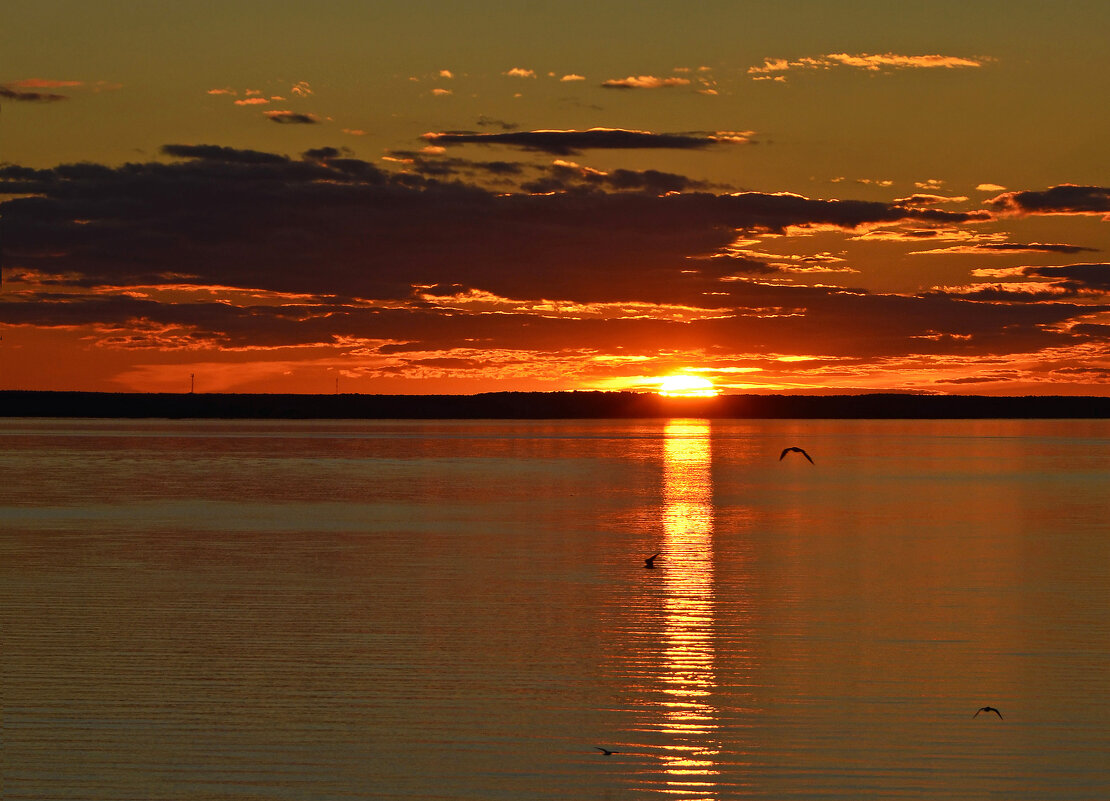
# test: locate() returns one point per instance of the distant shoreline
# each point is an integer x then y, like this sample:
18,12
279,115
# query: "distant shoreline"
544,405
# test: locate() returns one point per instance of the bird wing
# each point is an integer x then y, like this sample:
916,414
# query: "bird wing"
783,454
995,711
803,453
977,711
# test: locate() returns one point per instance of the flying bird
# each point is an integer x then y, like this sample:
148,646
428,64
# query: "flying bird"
649,563
988,710
796,450
605,751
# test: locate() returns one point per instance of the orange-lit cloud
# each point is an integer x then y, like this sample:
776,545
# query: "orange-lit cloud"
520,72
644,82
42,83
241,252
921,199
870,62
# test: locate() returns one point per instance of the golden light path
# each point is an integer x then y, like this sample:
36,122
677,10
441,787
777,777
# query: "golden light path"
688,673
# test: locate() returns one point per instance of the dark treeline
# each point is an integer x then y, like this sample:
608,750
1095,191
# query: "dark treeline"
542,405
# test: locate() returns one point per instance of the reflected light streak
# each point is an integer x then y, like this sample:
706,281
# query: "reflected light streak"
688,659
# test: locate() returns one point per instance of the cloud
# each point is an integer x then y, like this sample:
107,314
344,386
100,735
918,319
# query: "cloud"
224,154
7,92
873,62
563,176
440,92
572,77
390,268
567,143
869,62
43,83
989,188
490,122
326,153
301,89
1061,199
430,162
252,101
520,72
1070,278
643,82
292,118
1010,247
920,199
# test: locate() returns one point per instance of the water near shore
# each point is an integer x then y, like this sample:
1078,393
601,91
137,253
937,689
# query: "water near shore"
460,610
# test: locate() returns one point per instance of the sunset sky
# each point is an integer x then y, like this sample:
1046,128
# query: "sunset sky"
416,197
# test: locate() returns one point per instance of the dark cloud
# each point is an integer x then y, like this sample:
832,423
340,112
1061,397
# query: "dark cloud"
441,166
490,122
1006,376
564,177
226,154
1062,199
24,96
326,153
568,143
1089,277
292,118
1032,247
343,226
409,260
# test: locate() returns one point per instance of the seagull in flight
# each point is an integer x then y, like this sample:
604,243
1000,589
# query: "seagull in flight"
605,751
796,450
649,563
988,710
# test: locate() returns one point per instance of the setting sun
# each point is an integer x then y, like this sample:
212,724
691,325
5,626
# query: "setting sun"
686,386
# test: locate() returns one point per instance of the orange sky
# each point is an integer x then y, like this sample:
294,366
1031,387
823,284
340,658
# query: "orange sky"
415,198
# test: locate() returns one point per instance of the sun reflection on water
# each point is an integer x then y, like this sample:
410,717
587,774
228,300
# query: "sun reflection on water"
688,675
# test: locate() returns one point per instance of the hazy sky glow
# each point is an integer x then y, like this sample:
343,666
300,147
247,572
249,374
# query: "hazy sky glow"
421,197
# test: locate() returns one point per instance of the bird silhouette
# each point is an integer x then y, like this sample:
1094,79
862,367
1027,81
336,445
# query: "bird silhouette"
649,563
796,450
605,751
988,710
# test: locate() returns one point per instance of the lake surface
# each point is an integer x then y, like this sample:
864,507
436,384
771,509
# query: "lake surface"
460,610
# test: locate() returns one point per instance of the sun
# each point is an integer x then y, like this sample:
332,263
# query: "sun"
686,386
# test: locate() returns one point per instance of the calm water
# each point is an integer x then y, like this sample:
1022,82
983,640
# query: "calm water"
460,610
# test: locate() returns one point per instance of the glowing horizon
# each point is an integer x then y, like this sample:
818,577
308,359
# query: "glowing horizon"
556,213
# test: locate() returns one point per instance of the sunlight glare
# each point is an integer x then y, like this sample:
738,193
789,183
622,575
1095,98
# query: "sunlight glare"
686,386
